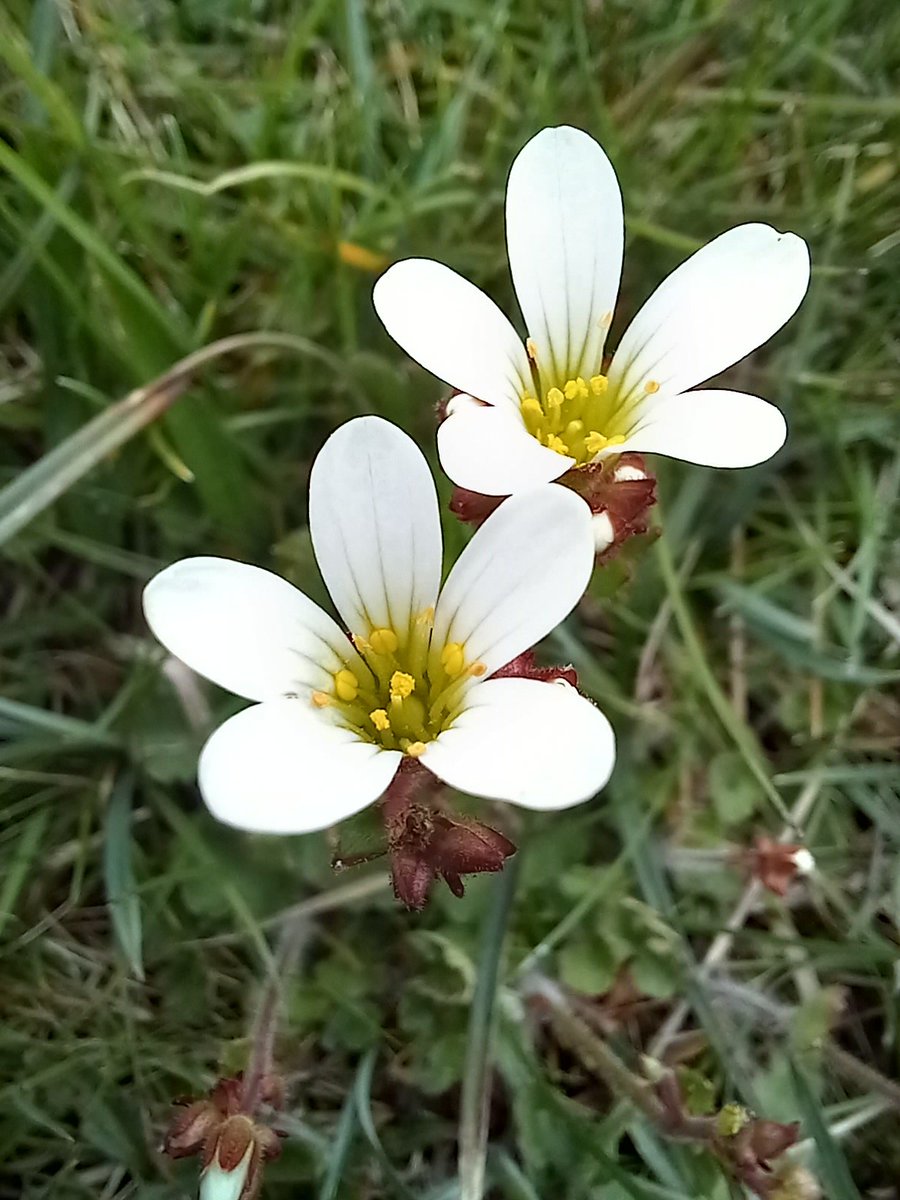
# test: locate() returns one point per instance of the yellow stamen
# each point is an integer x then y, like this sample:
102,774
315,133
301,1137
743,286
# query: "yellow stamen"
555,398
573,430
379,719
453,659
383,641
416,749
346,685
531,349
426,616
557,444
599,384
582,388
617,439
478,669
320,699
595,442
402,685
651,386
571,389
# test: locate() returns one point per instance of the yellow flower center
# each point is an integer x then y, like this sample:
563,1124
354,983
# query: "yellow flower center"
576,417
405,694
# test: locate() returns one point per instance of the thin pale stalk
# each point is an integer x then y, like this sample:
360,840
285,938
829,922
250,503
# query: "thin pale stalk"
476,1082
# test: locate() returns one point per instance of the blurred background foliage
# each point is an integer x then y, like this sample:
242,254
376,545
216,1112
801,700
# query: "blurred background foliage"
176,172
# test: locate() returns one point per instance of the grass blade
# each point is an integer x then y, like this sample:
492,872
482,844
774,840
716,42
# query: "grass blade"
476,1080
121,890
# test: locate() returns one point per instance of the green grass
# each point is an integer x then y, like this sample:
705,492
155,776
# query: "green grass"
180,172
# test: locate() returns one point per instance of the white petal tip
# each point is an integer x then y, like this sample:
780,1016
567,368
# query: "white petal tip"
804,862
604,533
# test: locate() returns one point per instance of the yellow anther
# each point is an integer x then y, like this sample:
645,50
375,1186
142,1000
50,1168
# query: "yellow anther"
555,397
426,616
402,685
617,439
571,389
651,386
453,660
320,699
531,407
531,349
574,430
478,669
346,685
379,719
599,384
557,444
582,388
595,442
416,749
383,641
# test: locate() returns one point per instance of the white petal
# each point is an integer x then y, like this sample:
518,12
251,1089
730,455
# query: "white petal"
282,767
244,628
489,450
564,231
540,745
218,1184
711,427
453,329
727,299
375,525
522,573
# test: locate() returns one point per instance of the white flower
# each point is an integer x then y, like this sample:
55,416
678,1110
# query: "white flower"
550,404
334,717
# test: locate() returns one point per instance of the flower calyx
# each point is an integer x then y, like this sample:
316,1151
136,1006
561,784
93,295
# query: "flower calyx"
426,842
523,666
620,491
232,1146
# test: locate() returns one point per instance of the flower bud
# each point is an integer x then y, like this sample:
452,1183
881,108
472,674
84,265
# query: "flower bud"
777,864
232,1172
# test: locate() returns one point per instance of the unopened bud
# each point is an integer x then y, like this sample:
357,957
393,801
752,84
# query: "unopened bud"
770,1139
190,1128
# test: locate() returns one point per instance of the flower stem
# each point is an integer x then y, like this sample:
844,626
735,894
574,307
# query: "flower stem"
265,1024
591,1050
476,1081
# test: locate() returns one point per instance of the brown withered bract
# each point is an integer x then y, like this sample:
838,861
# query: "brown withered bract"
427,842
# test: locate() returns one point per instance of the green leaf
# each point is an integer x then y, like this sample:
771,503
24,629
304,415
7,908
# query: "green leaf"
587,967
121,890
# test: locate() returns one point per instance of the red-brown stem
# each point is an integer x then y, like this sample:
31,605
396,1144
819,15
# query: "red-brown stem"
265,1025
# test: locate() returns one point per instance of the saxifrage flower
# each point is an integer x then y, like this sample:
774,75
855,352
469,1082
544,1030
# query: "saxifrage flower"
530,411
334,714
